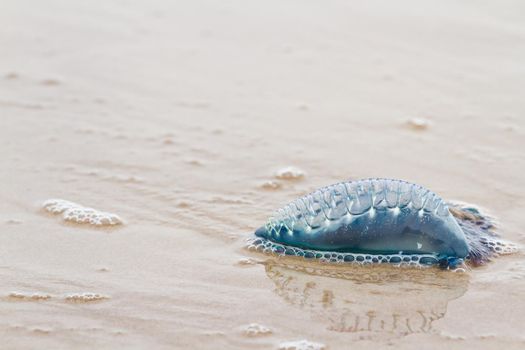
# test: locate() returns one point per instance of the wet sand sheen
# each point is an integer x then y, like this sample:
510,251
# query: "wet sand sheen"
190,131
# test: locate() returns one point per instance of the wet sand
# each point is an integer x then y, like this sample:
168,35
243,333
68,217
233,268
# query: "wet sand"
177,118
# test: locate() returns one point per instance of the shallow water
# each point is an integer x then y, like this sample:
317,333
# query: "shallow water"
180,118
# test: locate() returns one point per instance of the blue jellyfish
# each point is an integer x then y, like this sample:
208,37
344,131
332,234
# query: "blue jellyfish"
380,221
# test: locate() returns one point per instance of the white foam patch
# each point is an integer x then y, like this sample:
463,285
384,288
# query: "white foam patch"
255,330
29,296
85,297
83,215
271,185
290,173
301,345
418,123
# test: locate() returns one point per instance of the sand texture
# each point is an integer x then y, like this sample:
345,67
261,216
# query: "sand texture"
171,130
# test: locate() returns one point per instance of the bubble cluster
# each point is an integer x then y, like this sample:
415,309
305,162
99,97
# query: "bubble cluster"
79,214
29,296
72,297
289,173
301,345
498,246
271,185
85,297
255,330
269,247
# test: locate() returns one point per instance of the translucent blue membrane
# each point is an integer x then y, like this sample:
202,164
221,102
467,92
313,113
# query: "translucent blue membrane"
378,221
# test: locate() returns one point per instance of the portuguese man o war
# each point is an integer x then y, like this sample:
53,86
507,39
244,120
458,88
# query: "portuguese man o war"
381,221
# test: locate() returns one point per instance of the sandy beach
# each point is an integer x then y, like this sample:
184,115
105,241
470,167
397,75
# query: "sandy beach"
171,120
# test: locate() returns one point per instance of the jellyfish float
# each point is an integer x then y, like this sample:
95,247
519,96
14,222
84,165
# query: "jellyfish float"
381,221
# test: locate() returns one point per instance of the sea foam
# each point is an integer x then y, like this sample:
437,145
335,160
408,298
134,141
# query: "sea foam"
29,296
301,345
290,173
83,215
255,330
85,297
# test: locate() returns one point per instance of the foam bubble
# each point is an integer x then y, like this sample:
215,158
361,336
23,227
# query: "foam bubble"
85,297
29,296
268,247
290,173
271,185
301,345
255,330
418,123
83,215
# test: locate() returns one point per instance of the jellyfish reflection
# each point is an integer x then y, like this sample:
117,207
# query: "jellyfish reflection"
367,298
